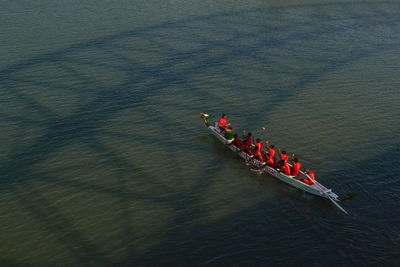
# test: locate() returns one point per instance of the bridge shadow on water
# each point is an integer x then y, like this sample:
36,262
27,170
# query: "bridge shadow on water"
317,233
172,55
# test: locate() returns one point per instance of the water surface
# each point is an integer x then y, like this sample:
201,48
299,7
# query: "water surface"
105,161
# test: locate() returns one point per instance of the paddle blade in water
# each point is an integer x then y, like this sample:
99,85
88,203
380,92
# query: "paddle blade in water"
349,196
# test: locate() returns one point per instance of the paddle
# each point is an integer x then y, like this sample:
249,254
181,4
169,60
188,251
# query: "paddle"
334,202
349,196
327,195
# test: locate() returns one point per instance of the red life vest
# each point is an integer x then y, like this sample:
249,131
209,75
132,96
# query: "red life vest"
311,178
259,147
311,175
248,142
222,122
284,157
271,153
307,181
286,169
237,143
271,162
296,169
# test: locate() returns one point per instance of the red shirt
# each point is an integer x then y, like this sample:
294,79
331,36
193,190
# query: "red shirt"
307,181
237,143
284,157
296,169
271,157
270,162
286,168
311,175
311,178
248,141
259,147
222,122
271,153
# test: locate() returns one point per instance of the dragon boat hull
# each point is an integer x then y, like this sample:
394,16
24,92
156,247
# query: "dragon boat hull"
315,189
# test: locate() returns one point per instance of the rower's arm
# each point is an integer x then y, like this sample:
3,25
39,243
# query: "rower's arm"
267,144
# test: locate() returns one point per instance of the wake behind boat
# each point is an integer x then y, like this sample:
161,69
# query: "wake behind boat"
315,188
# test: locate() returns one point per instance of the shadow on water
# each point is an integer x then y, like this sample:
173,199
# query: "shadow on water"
71,238
347,240
145,81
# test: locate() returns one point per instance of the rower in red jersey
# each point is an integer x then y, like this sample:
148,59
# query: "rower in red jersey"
259,150
271,154
259,146
285,168
296,167
237,142
257,154
283,158
311,177
247,144
223,123
248,141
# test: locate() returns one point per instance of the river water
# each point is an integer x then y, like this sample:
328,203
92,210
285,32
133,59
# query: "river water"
105,161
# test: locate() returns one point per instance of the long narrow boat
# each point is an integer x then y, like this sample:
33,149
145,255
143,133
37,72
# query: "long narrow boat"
315,189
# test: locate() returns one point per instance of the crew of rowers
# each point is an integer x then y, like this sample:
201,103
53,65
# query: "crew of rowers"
255,149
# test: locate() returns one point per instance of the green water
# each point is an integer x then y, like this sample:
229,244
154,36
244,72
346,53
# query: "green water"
105,161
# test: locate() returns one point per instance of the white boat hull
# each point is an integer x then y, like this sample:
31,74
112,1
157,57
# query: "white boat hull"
316,189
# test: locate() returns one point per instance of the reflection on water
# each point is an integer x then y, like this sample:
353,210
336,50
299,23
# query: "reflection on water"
105,161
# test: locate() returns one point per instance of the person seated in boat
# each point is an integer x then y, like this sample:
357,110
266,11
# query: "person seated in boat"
223,123
237,142
251,153
258,153
283,158
259,146
295,170
248,141
229,135
271,154
310,177
285,168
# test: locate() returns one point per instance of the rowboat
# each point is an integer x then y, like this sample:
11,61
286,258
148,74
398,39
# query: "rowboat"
315,189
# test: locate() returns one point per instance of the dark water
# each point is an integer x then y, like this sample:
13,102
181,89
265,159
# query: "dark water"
105,161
